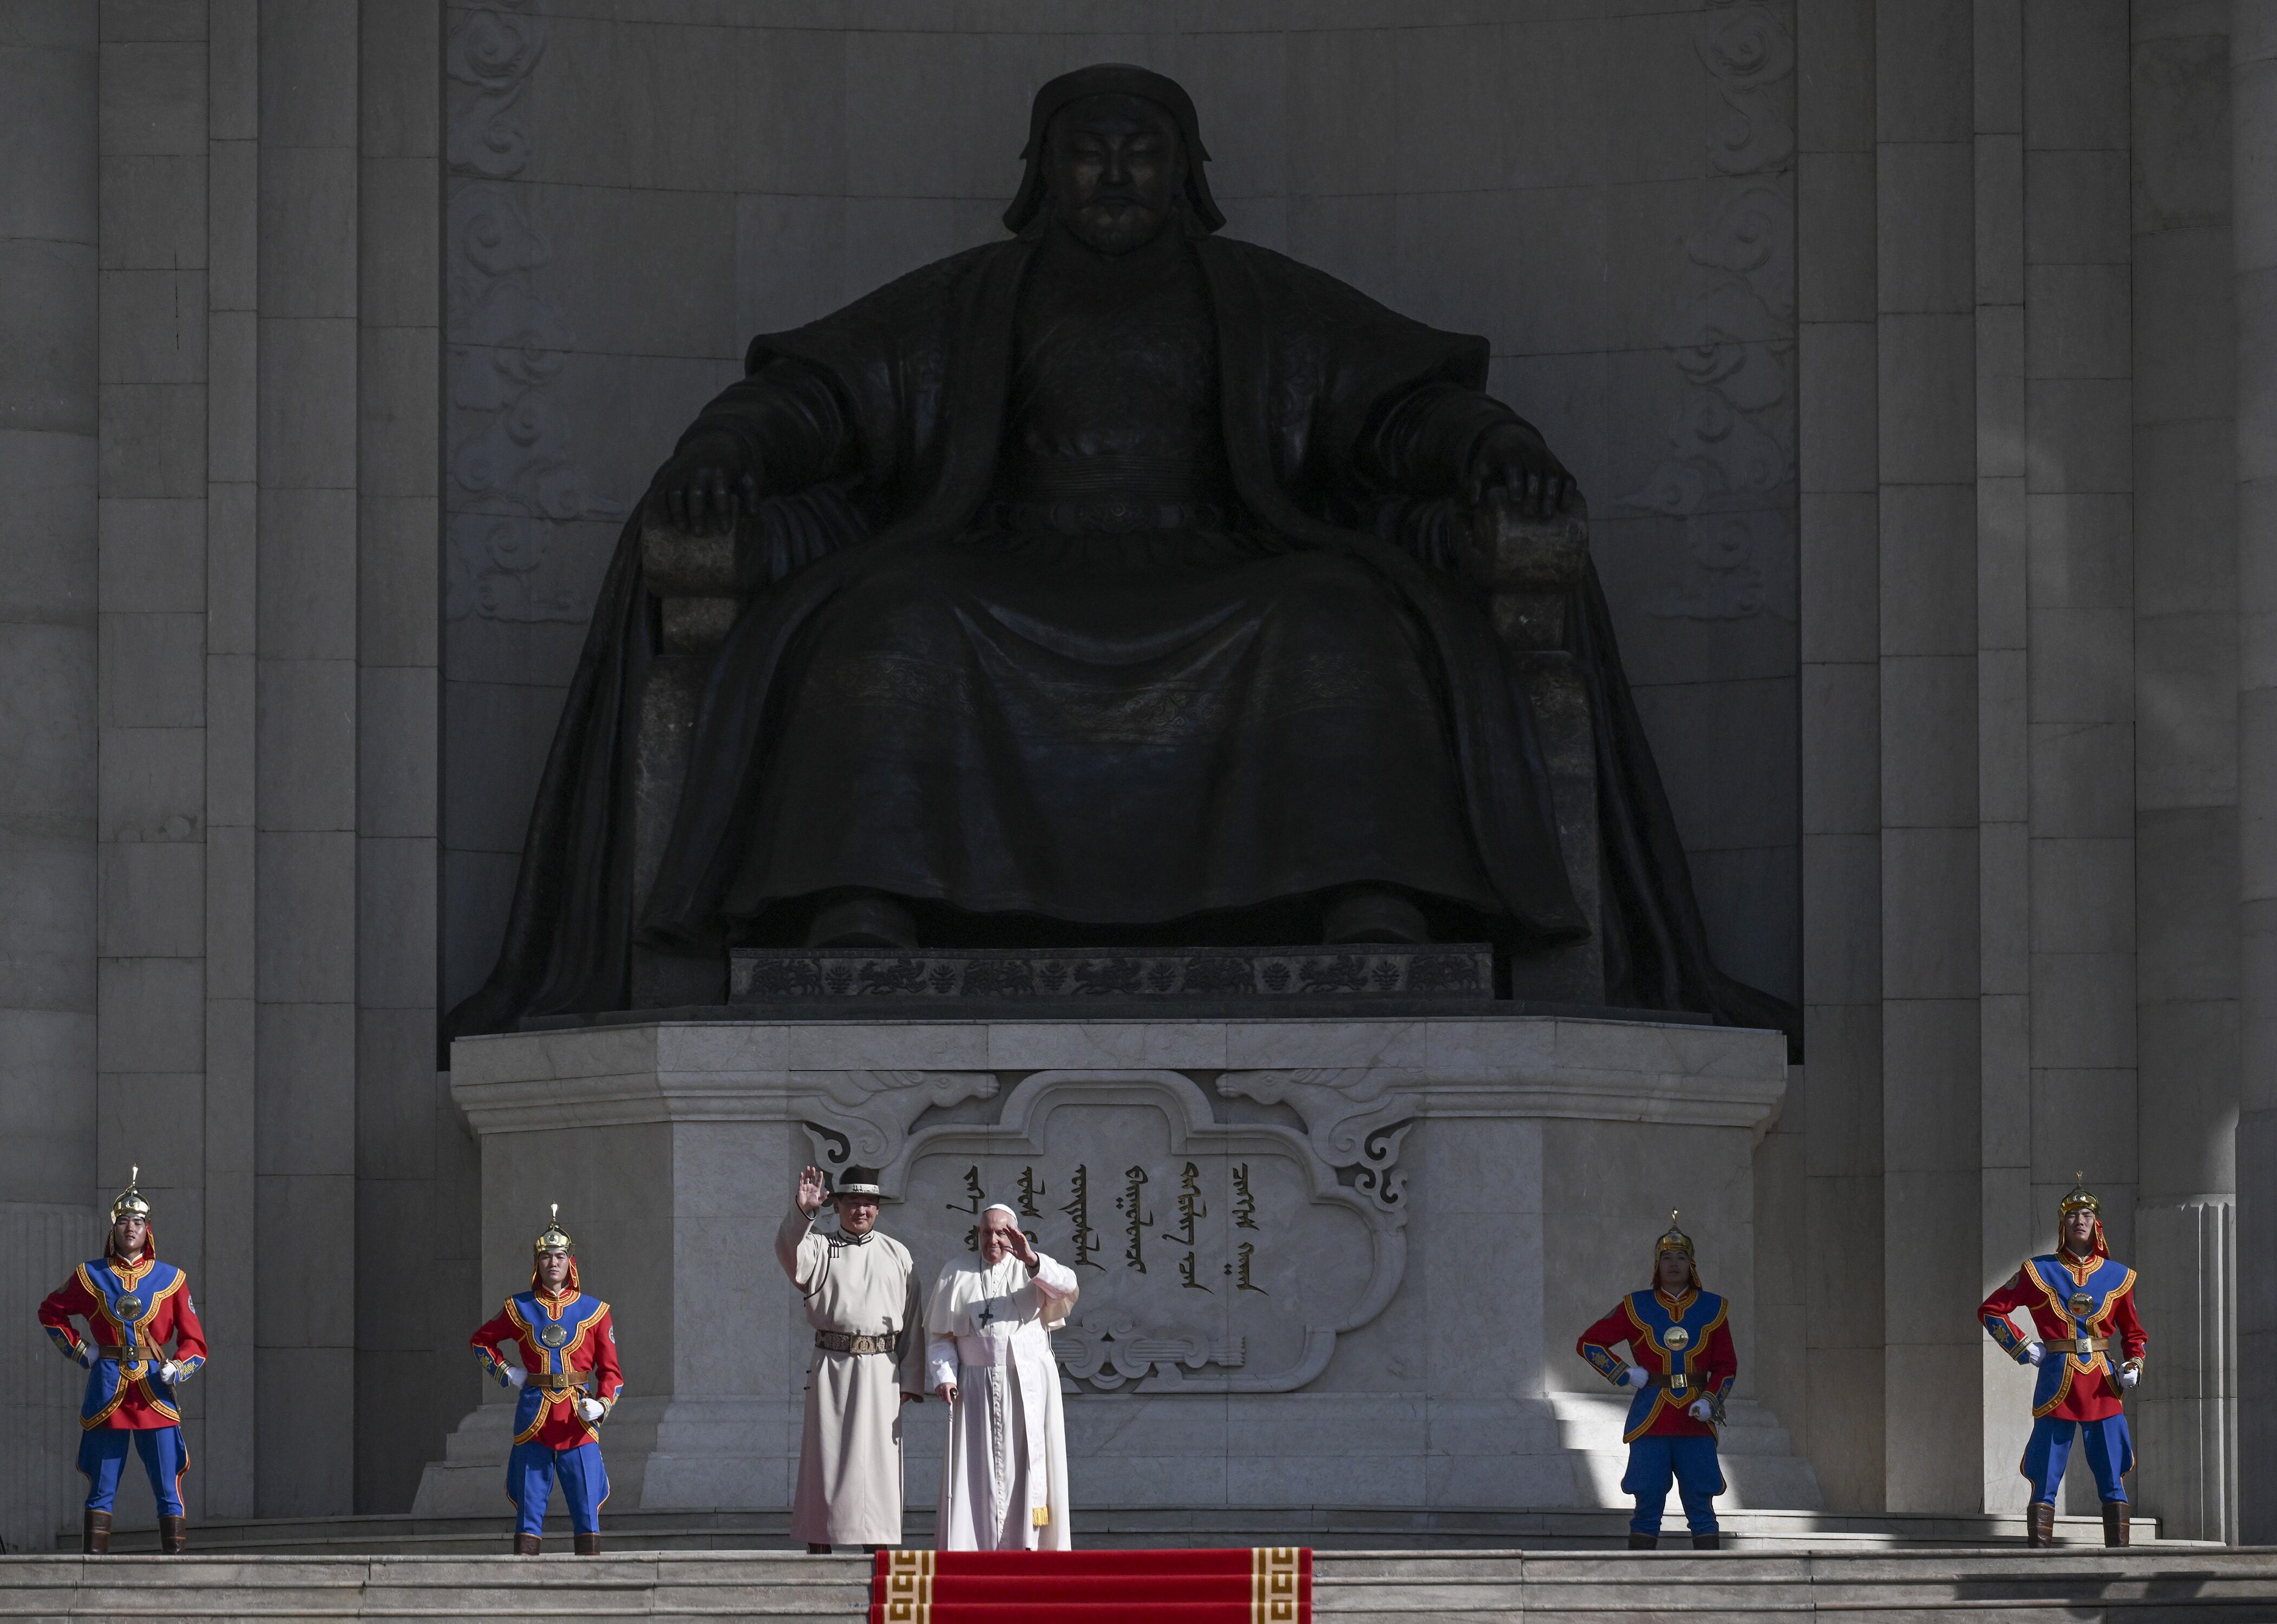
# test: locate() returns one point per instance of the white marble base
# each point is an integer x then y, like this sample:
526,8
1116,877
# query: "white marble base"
1440,1206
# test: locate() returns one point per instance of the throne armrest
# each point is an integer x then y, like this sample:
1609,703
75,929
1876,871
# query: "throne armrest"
693,578
1528,569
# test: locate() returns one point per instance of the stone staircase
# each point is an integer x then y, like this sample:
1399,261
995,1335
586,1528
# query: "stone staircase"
1325,1528
2144,1585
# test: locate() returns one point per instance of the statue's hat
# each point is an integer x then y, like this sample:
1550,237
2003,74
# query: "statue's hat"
1113,79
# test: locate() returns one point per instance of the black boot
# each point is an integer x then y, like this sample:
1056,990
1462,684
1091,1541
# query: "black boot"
814,1550
1707,1542
1643,1542
586,1544
528,1544
173,1535
2039,1524
2116,1517
95,1533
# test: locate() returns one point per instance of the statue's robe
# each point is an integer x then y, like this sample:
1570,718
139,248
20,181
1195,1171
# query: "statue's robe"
1003,1468
849,1454
893,423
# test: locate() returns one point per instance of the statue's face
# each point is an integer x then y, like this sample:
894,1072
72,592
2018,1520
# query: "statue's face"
1115,167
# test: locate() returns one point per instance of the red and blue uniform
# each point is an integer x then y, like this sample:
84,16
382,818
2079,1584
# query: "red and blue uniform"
1682,1342
2079,1307
568,1346
131,1310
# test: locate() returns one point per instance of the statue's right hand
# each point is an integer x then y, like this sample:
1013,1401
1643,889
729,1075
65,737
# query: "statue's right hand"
709,483
946,1393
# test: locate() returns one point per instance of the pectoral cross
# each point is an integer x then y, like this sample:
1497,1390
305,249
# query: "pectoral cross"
987,1314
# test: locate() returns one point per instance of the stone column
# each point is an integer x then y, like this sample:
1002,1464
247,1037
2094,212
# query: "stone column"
1926,306
1840,1421
2253,179
48,761
2185,800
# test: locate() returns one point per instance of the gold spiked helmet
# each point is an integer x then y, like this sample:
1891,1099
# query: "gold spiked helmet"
130,1202
2081,1200
555,1238
1674,1240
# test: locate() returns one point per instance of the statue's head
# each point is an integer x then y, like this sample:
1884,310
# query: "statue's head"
1114,155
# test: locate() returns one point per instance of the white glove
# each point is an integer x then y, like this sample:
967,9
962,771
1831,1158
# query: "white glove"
175,1375
2129,1377
1634,1376
515,1376
2034,1352
590,1410
1701,1410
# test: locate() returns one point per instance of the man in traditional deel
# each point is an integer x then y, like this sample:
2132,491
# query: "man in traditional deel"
2078,1297
132,1304
569,1382
1681,1364
861,1290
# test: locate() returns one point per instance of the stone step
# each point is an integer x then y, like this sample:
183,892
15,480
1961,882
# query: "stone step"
2205,1585
1324,1528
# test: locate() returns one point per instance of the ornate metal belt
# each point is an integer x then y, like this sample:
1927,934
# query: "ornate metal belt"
2079,1345
1678,1383
573,1381
144,1354
845,1342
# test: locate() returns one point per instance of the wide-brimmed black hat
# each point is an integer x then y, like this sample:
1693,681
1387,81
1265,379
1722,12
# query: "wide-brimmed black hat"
1113,79
859,1181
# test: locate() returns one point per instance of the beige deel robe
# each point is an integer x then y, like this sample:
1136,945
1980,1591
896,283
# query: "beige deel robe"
849,1458
989,1331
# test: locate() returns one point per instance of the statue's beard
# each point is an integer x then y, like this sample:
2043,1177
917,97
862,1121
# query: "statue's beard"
1116,225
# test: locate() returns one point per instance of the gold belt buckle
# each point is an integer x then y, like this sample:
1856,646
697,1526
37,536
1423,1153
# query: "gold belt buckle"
1678,1381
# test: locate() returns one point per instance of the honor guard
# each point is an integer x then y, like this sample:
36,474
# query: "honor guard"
132,1305
569,1382
1680,1364
2081,1305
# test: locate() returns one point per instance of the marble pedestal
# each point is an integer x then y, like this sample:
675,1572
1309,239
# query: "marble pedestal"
1326,1262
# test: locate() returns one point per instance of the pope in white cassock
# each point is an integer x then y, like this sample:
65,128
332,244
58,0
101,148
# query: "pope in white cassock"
1003,1473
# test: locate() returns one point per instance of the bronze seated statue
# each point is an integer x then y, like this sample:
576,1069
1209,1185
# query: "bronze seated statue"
1118,582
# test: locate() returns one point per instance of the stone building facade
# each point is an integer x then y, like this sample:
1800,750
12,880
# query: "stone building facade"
1919,358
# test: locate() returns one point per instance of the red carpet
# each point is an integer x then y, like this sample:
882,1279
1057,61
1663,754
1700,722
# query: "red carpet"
1272,1585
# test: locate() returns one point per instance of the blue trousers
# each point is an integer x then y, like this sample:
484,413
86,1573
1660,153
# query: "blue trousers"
2110,1455
1655,1462
529,1473
102,1453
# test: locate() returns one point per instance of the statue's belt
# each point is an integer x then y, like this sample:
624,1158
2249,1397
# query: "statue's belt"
1112,513
2079,1345
846,1342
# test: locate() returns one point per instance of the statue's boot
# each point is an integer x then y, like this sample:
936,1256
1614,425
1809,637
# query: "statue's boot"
1370,913
173,1535
865,919
2116,1523
1707,1542
1643,1542
586,1544
528,1544
95,1533
2040,1524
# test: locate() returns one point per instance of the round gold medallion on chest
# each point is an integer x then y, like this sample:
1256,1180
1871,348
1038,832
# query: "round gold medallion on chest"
2080,1305
554,1336
130,1309
1676,1337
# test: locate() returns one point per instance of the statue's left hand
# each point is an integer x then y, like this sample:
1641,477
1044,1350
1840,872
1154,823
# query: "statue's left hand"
1513,461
